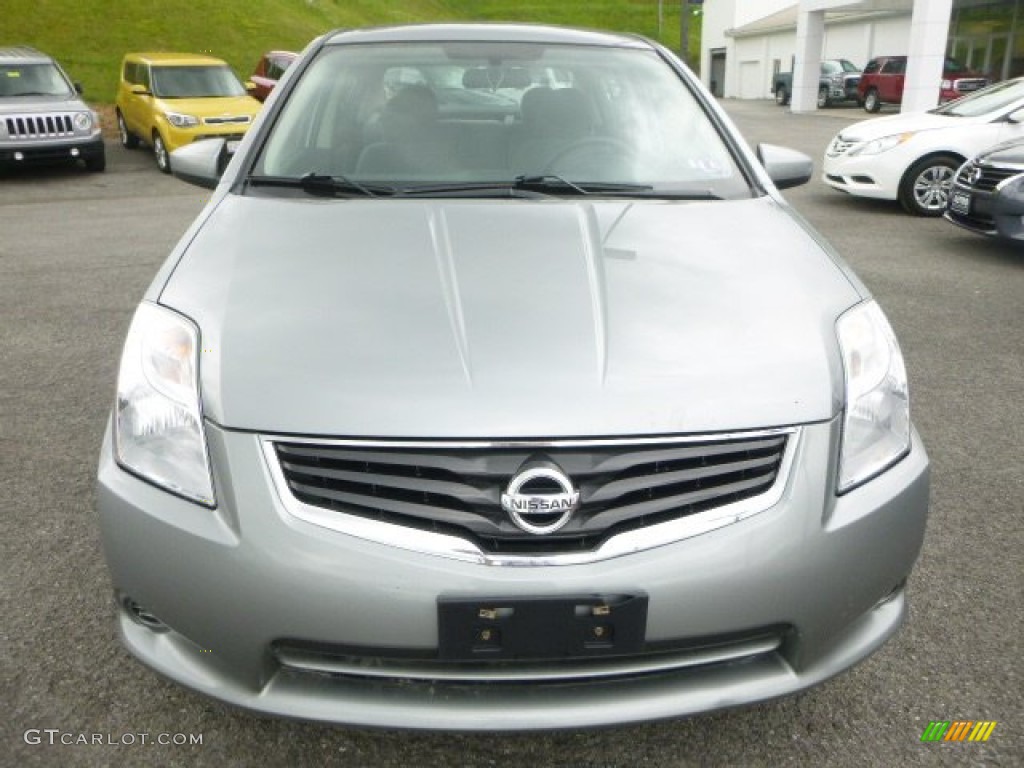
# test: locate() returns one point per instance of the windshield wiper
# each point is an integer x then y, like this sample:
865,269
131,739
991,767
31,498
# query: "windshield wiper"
525,186
552,182
323,185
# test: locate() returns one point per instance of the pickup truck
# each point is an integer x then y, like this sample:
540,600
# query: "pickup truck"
838,82
883,79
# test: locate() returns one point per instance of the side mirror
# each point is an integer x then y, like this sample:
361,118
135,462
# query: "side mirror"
78,88
250,86
786,167
1017,116
139,90
202,162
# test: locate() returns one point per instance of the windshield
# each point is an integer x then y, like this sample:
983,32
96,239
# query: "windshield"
953,66
988,100
408,115
195,82
32,80
837,67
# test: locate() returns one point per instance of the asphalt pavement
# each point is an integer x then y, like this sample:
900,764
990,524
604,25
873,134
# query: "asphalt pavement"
77,251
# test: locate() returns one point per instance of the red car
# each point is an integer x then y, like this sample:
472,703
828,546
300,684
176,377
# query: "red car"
883,77
269,70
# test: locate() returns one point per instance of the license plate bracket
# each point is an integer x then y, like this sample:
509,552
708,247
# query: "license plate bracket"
960,203
562,627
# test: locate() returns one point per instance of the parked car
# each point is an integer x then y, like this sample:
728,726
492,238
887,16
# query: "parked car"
269,70
988,193
477,424
838,82
168,100
42,116
883,79
913,157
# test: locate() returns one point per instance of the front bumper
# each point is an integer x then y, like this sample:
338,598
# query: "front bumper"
865,176
761,608
176,138
996,214
50,151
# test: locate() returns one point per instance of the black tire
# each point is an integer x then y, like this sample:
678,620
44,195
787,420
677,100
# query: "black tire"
872,102
96,163
163,157
925,187
128,139
823,99
781,95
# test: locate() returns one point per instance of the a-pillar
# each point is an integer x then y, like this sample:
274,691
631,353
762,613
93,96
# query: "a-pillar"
810,38
929,30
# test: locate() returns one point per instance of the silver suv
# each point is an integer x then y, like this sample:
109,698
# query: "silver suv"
42,115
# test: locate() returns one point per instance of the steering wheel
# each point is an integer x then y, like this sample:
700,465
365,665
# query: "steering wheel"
591,152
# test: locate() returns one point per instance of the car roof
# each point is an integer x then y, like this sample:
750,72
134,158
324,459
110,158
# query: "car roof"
183,59
519,33
23,54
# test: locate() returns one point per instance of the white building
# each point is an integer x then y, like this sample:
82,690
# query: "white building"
745,42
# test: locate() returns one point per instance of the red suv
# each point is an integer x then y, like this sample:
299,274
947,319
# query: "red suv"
268,71
882,81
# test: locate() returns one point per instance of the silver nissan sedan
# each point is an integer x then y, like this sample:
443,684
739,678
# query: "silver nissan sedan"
497,387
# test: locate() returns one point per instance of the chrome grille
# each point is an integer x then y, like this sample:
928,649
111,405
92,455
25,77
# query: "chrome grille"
455,490
966,86
424,667
990,178
241,119
39,126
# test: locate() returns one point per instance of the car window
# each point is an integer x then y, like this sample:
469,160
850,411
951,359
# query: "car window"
419,113
872,66
849,66
992,100
32,80
952,65
186,82
894,67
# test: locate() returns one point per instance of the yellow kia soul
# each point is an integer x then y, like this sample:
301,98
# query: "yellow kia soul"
168,100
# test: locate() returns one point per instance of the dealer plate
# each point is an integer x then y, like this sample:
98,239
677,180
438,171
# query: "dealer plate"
563,627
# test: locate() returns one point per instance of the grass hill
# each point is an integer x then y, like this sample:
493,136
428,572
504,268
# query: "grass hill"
89,37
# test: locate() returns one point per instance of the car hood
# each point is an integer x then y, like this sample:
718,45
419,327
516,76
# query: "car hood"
1008,153
876,128
31,105
214,106
507,318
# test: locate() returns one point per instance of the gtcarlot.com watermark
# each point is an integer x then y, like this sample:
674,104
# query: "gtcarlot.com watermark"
55,736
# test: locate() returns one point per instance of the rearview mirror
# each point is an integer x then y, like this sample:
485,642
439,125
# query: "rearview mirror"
786,167
202,162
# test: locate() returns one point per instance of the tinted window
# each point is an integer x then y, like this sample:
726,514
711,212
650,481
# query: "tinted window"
872,66
32,80
195,82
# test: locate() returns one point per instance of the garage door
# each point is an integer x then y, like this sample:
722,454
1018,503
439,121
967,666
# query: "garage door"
752,85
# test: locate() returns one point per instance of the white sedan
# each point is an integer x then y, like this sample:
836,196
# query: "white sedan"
914,157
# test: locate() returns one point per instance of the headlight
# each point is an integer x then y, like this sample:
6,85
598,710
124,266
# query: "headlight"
883,144
158,424
947,85
83,121
876,421
837,79
179,120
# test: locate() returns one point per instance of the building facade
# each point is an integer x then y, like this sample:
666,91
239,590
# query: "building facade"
745,42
